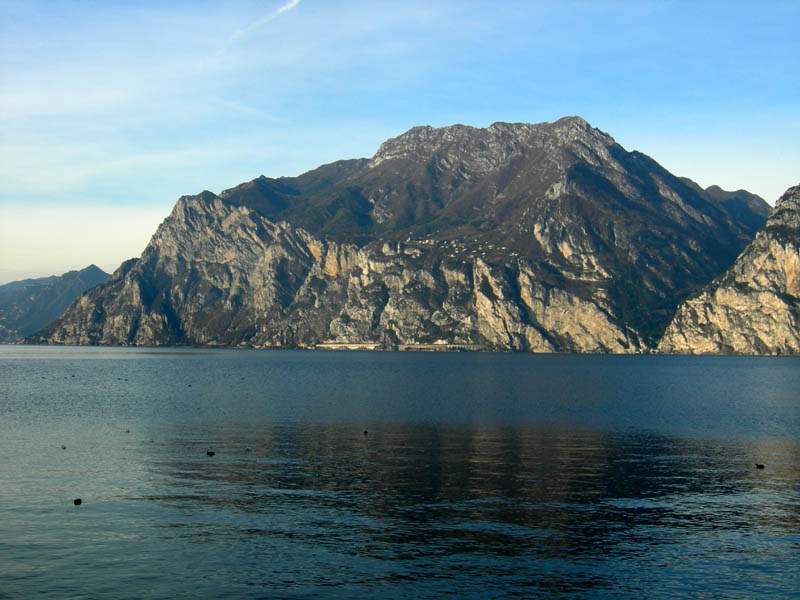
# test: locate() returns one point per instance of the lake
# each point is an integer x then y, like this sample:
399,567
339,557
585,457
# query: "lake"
341,474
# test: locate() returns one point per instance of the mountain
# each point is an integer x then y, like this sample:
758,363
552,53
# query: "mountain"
754,307
744,206
534,237
28,305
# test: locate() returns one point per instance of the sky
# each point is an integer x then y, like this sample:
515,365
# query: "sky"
111,110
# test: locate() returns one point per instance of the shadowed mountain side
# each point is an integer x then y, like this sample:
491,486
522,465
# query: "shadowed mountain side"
741,204
27,306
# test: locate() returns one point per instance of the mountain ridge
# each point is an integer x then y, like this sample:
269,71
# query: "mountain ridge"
29,304
488,232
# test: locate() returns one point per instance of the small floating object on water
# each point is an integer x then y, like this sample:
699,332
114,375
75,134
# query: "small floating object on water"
190,385
248,449
759,466
127,431
77,502
210,453
63,446
366,432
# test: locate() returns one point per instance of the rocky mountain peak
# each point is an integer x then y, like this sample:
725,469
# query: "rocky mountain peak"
424,141
787,210
576,129
488,148
193,202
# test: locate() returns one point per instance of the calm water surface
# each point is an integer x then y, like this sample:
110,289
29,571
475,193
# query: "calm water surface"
480,475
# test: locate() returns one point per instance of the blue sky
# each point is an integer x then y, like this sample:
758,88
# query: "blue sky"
112,110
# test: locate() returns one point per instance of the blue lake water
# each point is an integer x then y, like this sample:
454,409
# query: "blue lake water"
479,475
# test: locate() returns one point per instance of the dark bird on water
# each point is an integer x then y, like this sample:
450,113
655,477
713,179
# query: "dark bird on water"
759,466
77,501
63,446
210,453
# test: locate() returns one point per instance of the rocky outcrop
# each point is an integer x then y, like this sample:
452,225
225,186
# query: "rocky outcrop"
754,308
216,274
546,237
27,306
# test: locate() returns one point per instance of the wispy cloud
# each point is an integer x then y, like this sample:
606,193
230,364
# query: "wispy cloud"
247,110
72,167
214,59
240,33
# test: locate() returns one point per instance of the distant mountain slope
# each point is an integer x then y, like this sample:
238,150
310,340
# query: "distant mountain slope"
28,305
544,237
741,204
754,307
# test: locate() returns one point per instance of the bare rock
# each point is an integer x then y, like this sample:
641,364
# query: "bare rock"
754,308
544,237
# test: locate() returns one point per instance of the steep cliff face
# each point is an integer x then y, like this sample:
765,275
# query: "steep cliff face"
218,274
754,308
547,237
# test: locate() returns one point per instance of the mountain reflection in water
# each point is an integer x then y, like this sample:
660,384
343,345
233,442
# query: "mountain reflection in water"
481,475
555,510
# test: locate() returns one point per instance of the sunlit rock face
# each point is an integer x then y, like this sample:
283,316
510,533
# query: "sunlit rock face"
532,237
754,308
